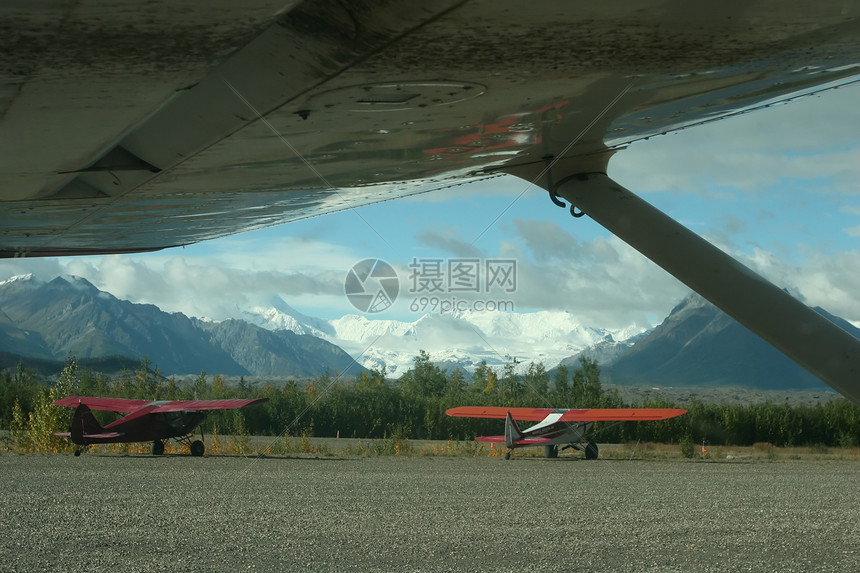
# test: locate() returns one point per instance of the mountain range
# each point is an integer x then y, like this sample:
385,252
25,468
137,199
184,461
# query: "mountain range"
695,345
454,340
69,316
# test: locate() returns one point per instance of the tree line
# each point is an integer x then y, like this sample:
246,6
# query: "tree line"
413,407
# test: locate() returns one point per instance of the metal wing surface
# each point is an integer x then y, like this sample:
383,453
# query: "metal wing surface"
128,128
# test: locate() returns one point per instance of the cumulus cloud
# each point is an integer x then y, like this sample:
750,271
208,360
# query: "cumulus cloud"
208,281
608,283
200,286
829,281
602,281
448,241
809,143
42,268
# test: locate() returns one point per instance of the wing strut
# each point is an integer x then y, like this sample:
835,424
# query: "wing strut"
802,334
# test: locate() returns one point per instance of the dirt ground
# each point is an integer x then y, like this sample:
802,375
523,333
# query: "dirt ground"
109,512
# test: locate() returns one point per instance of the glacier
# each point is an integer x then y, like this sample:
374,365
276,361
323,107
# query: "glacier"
453,340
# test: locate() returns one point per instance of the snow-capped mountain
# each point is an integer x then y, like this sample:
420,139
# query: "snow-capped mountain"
452,340
27,278
273,313
695,345
462,339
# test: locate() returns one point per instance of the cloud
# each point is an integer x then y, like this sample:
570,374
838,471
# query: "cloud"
201,287
42,268
548,241
448,242
212,279
829,281
602,281
608,283
733,224
811,144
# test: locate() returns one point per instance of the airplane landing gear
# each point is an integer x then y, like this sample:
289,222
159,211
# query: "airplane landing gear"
550,451
197,448
508,455
78,452
591,452
157,448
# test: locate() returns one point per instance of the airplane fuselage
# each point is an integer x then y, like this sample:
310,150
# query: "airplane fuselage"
144,426
557,431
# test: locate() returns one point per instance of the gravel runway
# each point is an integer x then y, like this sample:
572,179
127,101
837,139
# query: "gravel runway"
178,513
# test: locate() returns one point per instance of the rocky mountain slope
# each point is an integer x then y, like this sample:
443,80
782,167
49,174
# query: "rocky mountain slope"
698,344
69,316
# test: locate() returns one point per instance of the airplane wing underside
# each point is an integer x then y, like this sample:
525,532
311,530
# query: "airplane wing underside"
140,126
125,405
146,407
93,437
204,405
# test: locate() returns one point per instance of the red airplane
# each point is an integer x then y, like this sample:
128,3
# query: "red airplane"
556,427
146,420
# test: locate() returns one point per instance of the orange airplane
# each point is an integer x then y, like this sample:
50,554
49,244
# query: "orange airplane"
557,427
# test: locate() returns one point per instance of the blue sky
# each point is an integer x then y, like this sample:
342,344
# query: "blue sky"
777,188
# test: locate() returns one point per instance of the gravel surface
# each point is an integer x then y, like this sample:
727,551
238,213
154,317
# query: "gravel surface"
178,513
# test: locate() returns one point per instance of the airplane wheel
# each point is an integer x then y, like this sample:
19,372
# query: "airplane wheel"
550,451
157,448
591,452
508,455
77,453
197,448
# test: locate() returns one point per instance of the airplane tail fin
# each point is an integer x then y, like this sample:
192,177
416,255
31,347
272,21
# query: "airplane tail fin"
512,431
83,423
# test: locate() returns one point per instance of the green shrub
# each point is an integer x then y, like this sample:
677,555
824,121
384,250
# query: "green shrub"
688,448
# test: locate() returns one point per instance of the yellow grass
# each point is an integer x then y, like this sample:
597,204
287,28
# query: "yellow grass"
304,445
